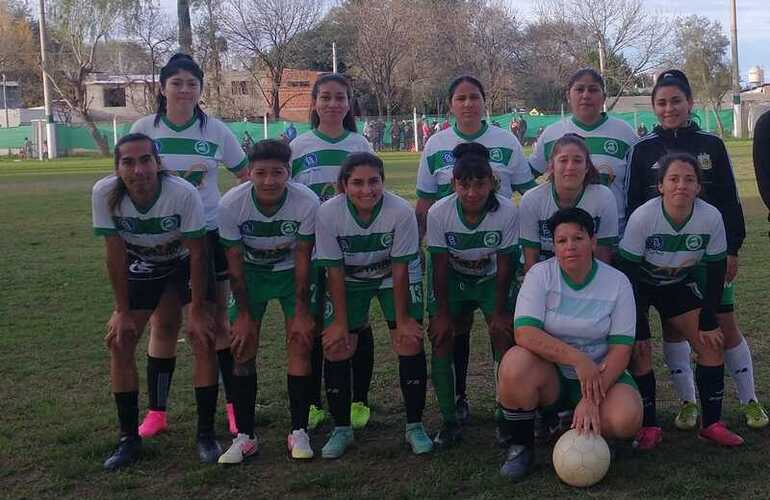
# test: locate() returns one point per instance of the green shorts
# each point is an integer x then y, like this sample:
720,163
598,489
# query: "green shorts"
263,286
466,296
727,303
358,300
570,393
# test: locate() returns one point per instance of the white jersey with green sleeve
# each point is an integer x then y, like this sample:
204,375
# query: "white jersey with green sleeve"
589,316
153,235
195,154
667,253
367,250
434,175
472,248
539,204
316,159
608,142
268,241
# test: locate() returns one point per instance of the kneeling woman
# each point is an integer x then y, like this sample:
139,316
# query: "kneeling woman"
153,230
367,239
665,239
472,237
268,227
574,323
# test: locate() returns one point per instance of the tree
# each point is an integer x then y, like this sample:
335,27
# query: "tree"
76,39
703,50
185,26
266,31
212,45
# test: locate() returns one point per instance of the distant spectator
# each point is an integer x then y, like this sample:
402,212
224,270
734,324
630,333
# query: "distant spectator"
426,131
247,143
395,130
290,133
641,130
26,151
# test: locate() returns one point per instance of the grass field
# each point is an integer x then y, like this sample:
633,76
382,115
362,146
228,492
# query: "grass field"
58,419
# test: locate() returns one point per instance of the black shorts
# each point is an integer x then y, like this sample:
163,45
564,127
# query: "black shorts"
669,300
148,282
217,257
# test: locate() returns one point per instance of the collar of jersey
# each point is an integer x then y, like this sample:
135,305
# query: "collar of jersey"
676,227
278,207
556,196
588,128
465,222
354,212
471,137
332,140
585,283
152,203
179,128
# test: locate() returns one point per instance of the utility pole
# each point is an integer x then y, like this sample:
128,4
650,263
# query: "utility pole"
49,126
334,57
737,114
5,102
602,63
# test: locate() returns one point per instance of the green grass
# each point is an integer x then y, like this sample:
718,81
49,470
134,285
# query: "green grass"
58,418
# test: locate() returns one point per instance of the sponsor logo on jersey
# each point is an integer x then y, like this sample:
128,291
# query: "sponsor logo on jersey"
491,239
288,227
496,155
655,166
158,147
451,240
693,242
611,146
202,147
655,243
545,232
140,267
169,223
344,244
705,161
126,224
311,160
387,240
447,158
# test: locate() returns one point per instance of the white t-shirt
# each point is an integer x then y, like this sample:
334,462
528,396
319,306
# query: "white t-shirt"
434,175
268,241
316,159
668,253
367,250
195,154
472,248
154,235
608,142
589,316
539,204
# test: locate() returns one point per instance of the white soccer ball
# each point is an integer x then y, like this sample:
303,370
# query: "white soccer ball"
581,459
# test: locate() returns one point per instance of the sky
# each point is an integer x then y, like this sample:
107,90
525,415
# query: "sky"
753,23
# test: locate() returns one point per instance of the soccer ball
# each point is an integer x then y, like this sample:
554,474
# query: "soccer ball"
581,459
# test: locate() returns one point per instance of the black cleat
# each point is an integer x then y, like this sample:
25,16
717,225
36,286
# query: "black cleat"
128,451
502,438
519,461
448,436
463,410
209,449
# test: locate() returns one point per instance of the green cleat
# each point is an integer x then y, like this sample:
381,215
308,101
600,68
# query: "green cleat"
339,440
756,416
418,439
315,417
359,415
687,417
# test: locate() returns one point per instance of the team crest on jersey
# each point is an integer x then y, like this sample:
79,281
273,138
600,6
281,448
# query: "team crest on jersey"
169,223
386,240
705,161
655,243
496,155
611,146
492,239
288,228
451,240
447,158
126,224
693,242
311,160
344,244
202,147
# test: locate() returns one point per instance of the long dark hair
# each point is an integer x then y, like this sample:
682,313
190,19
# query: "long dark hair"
120,190
592,174
358,159
472,162
348,121
179,62
666,161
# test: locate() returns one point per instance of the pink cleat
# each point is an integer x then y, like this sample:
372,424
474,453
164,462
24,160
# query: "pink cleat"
231,425
153,424
648,438
718,433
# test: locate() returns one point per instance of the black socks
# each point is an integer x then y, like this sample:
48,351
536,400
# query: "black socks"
413,374
159,373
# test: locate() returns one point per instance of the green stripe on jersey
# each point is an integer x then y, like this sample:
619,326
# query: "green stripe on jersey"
444,158
322,158
677,242
183,146
373,242
263,229
478,239
154,225
607,146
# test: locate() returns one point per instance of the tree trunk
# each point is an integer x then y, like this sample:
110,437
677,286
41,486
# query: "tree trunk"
721,127
276,94
99,139
185,26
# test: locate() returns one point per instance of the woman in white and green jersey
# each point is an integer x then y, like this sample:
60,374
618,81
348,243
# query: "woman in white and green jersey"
573,182
268,228
153,228
366,239
472,238
434,181
316,157
192,145
665,240
608,139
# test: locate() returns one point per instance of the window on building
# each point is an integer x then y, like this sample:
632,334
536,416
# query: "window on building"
115,97
298,83
240,87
